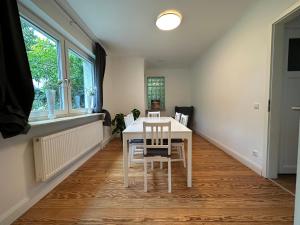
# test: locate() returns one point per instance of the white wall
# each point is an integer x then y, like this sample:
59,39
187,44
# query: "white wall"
18,188
178,87
232,76
124,85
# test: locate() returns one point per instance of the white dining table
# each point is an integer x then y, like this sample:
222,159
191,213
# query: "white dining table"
135,131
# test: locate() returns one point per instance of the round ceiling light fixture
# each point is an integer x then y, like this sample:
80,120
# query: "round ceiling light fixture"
168,20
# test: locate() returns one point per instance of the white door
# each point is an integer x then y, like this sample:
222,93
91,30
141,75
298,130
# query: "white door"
290,99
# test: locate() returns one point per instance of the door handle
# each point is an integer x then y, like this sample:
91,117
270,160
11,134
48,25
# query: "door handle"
296,108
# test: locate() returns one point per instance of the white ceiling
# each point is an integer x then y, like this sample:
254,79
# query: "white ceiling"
127,27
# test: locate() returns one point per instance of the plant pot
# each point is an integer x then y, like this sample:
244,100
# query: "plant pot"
90,103
77,101
50,95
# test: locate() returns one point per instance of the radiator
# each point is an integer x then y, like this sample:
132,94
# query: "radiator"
54,152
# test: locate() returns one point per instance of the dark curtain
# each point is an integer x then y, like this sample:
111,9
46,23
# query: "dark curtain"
100,63
16,87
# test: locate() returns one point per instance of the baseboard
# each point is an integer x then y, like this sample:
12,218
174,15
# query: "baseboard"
233,153
106,141
20,208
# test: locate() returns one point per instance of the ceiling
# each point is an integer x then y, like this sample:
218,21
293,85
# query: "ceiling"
127,27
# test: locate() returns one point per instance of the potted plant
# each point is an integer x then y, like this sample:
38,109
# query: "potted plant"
136,113
50,89
119,124
91,92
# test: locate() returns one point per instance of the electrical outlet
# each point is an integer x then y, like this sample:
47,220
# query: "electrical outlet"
255,153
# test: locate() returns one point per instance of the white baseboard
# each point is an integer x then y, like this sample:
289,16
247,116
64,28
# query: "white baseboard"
106,141
251,165
21,207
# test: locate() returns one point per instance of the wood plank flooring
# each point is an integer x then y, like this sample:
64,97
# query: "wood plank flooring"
288,181
224,192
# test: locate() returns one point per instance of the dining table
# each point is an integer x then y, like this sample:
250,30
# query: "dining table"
178,131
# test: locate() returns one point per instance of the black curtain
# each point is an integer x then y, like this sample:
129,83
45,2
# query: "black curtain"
16,87
100,63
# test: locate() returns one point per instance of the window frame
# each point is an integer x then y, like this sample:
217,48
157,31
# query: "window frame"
70,46
64,44
147,91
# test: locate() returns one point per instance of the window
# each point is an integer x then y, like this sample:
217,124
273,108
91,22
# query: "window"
72,79
81,78
43,55
156,91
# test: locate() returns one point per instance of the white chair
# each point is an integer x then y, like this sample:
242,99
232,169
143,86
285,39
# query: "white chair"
135,145
157,147
178,144
184,119
177,116
154,114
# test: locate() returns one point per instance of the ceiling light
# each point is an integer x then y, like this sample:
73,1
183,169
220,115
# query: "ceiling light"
168,20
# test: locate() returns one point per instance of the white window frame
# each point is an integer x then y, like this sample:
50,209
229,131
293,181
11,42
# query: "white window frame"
87,57
63,44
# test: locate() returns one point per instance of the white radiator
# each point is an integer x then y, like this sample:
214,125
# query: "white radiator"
54,152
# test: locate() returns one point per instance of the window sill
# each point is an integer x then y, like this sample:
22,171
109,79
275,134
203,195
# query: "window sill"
62,119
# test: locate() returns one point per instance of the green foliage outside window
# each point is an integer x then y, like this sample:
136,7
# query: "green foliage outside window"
44,59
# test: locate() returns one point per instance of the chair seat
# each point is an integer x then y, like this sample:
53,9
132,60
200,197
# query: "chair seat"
176,140
136,141
163,152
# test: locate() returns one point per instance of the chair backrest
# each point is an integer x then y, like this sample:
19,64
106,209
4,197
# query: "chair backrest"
184,119
157,135
177,116
154,114
129,119
186,111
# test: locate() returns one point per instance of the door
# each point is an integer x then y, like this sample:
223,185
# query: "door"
290,101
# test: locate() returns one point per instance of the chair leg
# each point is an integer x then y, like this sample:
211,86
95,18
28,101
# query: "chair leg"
183,155
179,152
145,174
152,165
129,156
161,164
169,176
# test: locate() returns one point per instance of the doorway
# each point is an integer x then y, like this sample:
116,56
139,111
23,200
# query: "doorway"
284,106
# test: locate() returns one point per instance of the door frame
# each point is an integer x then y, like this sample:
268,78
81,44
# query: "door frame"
270,169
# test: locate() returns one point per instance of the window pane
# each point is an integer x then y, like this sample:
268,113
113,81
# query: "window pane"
156,91
43,56
82,80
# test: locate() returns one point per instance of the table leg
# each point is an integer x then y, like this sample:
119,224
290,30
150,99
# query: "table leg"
189,161
125,160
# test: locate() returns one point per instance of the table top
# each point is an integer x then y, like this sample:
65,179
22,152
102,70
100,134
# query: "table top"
137,125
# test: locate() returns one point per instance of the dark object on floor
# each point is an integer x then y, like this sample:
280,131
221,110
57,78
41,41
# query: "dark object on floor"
186,110
16,87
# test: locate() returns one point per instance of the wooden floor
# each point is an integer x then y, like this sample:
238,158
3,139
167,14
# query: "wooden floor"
288,181
224,192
